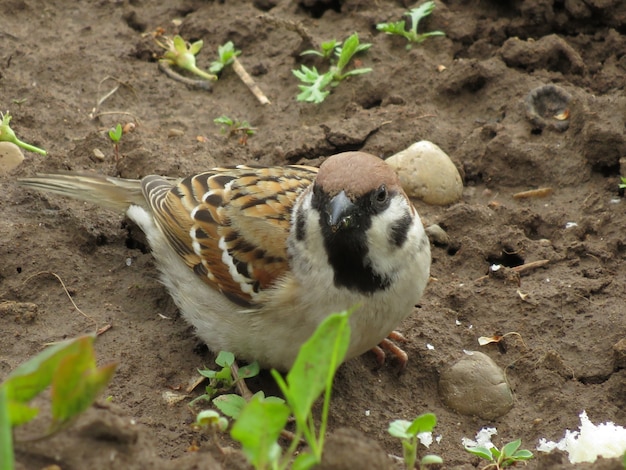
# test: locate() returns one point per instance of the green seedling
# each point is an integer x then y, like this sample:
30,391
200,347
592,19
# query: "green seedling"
70,369
234,127
226,54
314,89
261,421
231,404
622,184
115,134
223,380
8,135
211,423
509,455
327,50
411,35
408,432
180,53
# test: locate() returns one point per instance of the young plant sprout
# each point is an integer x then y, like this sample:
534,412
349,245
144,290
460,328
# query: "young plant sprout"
411,35
234,127
8,135
226,55
261,421
180,53
115,134
69,368
499,459
224,379
314,89
409,433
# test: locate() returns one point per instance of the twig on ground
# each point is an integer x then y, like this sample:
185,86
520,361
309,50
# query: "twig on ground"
249,81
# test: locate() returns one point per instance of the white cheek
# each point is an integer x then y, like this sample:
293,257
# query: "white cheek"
384,255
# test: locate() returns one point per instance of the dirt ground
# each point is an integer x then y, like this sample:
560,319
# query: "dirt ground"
465,92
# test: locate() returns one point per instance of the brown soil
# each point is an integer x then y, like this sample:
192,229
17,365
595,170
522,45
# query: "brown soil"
58,58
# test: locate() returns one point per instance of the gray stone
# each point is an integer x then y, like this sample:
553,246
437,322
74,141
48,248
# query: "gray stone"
476,386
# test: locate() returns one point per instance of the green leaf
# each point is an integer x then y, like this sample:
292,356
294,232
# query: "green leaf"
258,428
509,449
318,359
76,384
225,120
250,370
523,454
348,50
418,13
304,461
423,423
225,359
20,413
211,420
315,92
431,459
6,433
230,404
196,46
398,428
481,452
33,376
115,134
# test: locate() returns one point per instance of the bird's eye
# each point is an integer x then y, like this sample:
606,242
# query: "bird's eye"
381,196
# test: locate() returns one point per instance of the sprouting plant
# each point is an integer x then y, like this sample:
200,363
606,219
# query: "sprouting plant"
261,420
210,422
180,53
115,134
70,369
509,455
8,135
314,89
409,432
411,35
233,127
622,184
223,380
327,49
226,54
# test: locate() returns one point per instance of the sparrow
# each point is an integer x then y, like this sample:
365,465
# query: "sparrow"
255,257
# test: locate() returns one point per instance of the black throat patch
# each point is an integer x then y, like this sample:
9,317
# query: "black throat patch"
347,248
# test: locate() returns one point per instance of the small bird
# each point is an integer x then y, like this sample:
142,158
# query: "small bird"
256,257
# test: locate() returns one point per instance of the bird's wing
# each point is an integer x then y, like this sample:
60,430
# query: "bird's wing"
230,225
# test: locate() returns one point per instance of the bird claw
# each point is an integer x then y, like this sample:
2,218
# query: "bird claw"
388,345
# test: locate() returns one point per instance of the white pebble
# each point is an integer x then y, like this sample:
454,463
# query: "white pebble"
427,173
10,157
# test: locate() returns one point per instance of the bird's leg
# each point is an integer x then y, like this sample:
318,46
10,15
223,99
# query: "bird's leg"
388,345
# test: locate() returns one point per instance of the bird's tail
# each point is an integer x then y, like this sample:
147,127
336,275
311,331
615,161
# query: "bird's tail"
113,193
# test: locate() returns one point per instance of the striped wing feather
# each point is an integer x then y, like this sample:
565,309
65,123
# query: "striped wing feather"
230,225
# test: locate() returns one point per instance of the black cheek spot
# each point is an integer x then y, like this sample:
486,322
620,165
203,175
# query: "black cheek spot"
399,231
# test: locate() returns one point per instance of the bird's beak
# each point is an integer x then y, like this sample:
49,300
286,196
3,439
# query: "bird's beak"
339,212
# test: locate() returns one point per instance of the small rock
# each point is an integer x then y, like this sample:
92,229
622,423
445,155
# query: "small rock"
175,133
98,155
476,386
10,157
347,448
427,173
437,235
